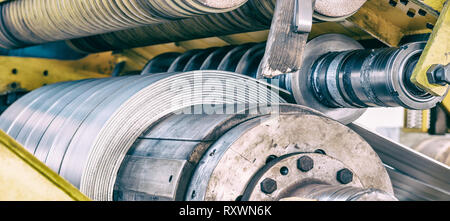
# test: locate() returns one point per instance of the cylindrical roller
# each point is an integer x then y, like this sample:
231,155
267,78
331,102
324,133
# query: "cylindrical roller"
225,155
371,78
83,129
255,15
27,22
339,78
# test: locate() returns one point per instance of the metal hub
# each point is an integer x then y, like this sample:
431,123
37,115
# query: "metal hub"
326,170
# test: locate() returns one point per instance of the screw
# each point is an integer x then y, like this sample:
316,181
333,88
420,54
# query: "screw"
268,186
305,163
344,176
439,74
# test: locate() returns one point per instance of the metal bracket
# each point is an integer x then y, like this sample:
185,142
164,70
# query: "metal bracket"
291,24
437,52
303,15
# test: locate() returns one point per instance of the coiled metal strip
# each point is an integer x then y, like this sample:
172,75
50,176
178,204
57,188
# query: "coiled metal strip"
40,21
84,129
253,16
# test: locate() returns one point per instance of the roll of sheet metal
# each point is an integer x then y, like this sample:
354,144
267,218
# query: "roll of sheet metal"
255,15
27,22
83,129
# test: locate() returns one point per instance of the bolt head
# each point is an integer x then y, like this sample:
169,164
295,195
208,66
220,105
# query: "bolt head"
438,74
268,186
305,163
344,176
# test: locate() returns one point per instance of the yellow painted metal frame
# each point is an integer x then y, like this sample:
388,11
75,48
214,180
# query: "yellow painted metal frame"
17,73
390,24
25,178
437,51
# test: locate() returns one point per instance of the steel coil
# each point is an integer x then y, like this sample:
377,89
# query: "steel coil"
255,15
83,129
27,22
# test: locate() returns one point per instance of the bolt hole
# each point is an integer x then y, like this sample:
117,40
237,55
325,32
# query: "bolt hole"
170,178
429,26
393,3
14,71
422,12
284,171
45,73
405,2
270,158
411,13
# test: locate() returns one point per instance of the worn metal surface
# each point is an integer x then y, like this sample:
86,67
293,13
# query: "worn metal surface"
226,167
292,183
285,44
84,129
25,178
29,22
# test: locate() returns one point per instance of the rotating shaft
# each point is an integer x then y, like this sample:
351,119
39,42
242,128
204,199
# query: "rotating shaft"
345,79
370,78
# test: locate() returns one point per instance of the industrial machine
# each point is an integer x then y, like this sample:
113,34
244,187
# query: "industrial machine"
228,100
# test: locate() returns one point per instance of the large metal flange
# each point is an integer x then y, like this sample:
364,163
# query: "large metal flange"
285,176
301,83
231,162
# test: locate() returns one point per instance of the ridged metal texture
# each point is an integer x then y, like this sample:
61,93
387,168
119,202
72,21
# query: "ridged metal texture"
83,129
26,22
255,15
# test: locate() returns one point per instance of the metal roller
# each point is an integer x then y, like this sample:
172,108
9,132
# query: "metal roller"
338,77
121,140
231,156
83,129
27,22
255,15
